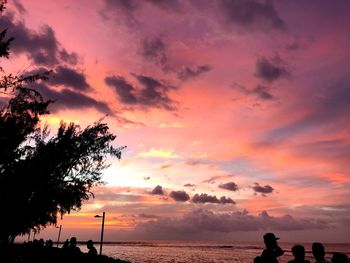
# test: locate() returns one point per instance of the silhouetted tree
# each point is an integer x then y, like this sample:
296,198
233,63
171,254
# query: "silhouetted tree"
43,176
4,43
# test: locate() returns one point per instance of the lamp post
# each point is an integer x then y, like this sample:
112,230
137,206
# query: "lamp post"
59,234
102,230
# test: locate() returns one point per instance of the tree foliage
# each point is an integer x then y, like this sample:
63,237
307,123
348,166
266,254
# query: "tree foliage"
43,176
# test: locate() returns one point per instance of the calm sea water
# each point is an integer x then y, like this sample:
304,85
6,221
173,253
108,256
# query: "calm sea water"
203,252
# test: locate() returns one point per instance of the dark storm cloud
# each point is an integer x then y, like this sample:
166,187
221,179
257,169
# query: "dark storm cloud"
187,73
180,196
68,99
267,189
69,77
252,14
154,50
153,93
231,186
199,221
41,47
158,190
205,198
124,89
270,69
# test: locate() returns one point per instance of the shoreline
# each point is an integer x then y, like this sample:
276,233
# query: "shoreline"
33,253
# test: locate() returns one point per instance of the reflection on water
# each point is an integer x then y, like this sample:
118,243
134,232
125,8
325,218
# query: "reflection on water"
204,252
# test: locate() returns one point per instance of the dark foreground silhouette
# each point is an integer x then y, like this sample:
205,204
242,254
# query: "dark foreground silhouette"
31,253
272,252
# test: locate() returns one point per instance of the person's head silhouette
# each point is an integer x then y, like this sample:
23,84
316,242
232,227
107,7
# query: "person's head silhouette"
270,240
272,250
73,242
318,251
92,250
298,252
90,244
339,258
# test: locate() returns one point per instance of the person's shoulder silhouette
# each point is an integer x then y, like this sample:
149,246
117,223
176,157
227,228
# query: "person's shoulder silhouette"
92,250
272,250
72,248
65,244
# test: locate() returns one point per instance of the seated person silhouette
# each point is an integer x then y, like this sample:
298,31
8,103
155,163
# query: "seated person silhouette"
319,253
72,248
92,250
340,258
65,245
299,255
272,250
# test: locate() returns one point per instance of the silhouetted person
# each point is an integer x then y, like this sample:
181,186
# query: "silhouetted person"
41,242
272,250
65,245
49,243
258,260
73,249
92,250
299,255
319,253
340,258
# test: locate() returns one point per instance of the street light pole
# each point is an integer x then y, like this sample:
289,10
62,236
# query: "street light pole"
59,234
102,230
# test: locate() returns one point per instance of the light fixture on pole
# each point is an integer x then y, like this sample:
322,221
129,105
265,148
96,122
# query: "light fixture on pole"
59,234
102,230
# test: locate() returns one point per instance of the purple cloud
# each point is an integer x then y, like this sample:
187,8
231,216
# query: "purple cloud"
252,14
231,186
187,73
42,47
267,189
158,190
270,70
180,196
154,93
199,221
205,198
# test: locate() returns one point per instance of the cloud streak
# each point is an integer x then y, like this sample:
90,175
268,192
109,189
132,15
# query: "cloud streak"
205,198
199,221
42,46
152,94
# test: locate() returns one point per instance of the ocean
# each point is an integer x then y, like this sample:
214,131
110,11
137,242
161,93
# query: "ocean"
203,252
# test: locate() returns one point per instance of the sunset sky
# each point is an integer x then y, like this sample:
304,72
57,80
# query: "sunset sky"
235,113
